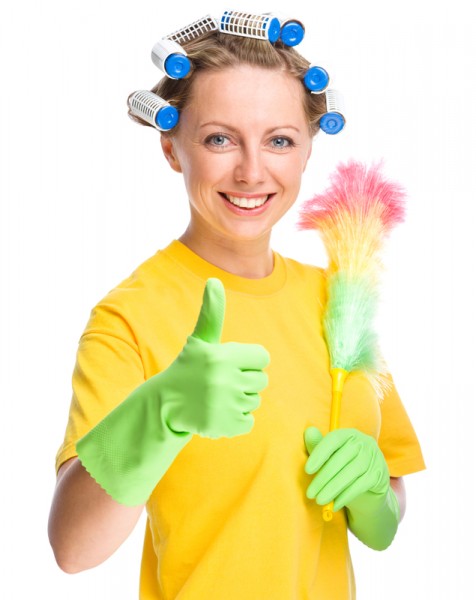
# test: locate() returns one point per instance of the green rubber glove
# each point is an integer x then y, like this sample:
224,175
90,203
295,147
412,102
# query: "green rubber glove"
210,389
351,471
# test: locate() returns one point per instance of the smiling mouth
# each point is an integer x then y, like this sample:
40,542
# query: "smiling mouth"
246,202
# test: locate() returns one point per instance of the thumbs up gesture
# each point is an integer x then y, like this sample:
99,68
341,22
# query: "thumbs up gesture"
210,389
214,387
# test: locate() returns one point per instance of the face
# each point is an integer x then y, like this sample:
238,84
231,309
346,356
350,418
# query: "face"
242,146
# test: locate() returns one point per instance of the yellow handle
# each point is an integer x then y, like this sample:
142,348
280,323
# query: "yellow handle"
338,379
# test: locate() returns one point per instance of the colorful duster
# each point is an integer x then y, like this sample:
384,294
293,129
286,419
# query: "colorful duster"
353,217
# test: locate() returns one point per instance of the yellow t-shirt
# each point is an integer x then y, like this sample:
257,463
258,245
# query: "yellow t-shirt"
230,518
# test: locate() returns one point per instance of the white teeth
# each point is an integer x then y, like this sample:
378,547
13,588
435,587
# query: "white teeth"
247,202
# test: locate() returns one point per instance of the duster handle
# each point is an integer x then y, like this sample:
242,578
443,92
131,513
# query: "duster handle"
338,379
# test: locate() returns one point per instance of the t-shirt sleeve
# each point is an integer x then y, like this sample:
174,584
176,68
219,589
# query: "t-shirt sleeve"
398,440
108,367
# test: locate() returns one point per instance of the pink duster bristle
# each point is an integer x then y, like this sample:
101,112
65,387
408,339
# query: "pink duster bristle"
356,189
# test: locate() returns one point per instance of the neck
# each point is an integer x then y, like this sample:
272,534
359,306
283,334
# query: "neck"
252,259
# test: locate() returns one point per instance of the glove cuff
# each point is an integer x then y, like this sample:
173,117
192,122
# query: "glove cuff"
129,451
374,521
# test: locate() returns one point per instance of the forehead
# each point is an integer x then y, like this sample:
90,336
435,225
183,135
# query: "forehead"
248,93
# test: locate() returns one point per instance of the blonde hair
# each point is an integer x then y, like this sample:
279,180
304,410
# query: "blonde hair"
217,51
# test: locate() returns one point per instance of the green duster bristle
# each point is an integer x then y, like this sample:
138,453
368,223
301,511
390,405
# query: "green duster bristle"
348,319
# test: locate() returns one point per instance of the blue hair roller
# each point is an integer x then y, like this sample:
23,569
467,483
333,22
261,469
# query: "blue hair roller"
292,32
316,79
332,123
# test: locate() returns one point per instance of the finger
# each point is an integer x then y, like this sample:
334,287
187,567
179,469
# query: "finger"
243,425
353,491
314,489
249,402
333,479
253,381
337,464
238,425
212,313
312,436
327,447
247,357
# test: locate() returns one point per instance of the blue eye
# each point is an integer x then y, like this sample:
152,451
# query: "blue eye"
217,140
282,142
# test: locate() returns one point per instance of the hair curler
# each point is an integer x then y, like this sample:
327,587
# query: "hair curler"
171,58
153,109
168,54
333,120
194,31
262,27
316,79
292,32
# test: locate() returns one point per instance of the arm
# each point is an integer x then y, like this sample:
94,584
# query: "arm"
398,486
209,390
86,525
375,523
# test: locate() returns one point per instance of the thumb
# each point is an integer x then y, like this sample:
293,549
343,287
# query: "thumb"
312,436
212,314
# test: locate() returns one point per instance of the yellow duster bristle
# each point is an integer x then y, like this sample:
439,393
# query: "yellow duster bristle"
354,246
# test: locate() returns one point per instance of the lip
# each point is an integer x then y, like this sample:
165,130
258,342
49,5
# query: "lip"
246,211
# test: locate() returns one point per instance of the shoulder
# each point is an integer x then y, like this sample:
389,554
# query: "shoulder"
134,297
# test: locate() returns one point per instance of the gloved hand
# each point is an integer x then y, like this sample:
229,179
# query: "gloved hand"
210,389
352,472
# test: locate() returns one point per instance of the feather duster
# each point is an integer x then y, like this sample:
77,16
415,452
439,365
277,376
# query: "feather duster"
353,217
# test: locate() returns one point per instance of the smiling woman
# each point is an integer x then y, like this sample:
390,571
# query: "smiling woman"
198,375
241,175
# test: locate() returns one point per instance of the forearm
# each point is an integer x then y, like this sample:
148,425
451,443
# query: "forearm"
376,526
398,487
86,525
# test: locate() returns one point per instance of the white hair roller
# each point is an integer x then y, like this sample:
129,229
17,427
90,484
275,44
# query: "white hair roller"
153,110
170,58
262,27
194,31
333,120
168,54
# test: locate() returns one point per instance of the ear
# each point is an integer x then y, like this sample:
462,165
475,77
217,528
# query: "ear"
168,149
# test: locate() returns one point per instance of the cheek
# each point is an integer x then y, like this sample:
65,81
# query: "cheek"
194,172
292,172
215,170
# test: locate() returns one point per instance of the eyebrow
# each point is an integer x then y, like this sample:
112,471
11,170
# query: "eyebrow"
230,128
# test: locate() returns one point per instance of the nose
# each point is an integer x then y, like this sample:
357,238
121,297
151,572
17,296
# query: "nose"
250,167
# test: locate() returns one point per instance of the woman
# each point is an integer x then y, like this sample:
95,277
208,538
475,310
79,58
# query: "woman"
207,414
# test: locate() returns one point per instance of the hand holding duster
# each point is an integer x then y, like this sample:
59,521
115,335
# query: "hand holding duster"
351,469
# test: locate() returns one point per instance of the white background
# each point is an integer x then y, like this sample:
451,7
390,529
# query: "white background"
86,196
